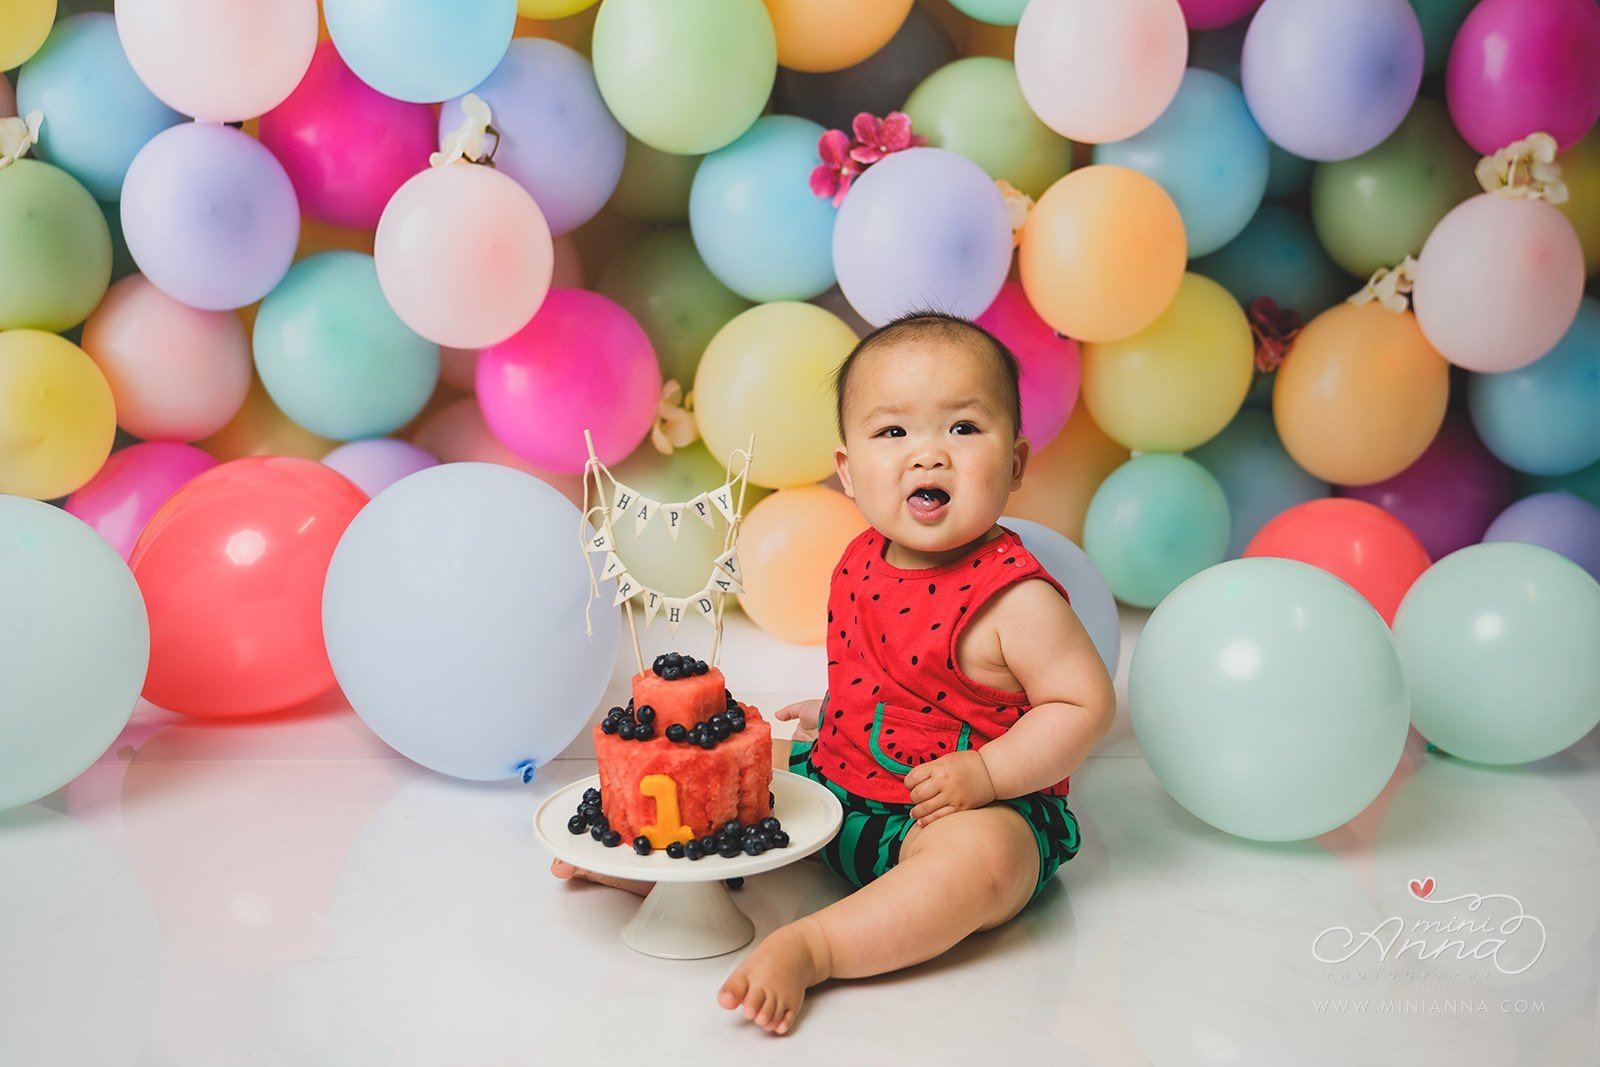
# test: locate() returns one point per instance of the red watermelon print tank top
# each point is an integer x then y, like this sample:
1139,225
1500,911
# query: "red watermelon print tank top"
896,697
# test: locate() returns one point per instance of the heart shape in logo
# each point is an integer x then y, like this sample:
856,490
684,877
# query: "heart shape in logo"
1421,889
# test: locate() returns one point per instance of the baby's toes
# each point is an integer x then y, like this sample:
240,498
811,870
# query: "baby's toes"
769,1005
785,1022
735,990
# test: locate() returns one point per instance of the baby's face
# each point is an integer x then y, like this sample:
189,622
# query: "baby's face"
929,452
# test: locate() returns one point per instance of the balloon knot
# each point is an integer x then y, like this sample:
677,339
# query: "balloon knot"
1526,169
466,141
528,769
675,425
1274,329
18,136
1389,287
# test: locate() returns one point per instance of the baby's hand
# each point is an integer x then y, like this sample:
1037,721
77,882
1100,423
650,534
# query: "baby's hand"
958,781
807,713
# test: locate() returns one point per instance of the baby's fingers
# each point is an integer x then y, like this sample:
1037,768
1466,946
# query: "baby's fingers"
937,815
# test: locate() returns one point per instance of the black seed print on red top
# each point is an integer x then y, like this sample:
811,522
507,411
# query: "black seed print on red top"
932,587
964,588
913,661
841,633
875,596
844,570
935,626
904,610
976,562
875,690
926,708
940,695
856,682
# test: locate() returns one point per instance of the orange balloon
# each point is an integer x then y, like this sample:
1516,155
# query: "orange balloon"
260,429
987,39
1361,394
788,547
1102,253
320,237
1061,477
824,35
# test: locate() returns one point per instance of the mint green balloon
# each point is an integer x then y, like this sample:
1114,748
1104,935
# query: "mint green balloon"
333,354
688,76
1268,699
55,259
1379,207
663,283
1501,642
655,185
975,108
74,647
1155,522
994,12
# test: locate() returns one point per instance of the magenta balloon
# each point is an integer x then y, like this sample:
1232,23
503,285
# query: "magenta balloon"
210,216
1561,522
1523,66
1212,14
133,483
1049,363
376,463
1449,495
582,363
346,146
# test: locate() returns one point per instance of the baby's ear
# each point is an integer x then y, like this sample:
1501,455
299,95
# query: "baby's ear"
841,463
1020,453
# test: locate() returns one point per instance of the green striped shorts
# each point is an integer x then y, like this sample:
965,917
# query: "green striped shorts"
868,842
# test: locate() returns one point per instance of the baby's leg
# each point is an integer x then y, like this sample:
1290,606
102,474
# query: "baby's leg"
565,871
969,871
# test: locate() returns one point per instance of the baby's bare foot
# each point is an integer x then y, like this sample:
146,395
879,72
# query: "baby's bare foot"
566,871
772,982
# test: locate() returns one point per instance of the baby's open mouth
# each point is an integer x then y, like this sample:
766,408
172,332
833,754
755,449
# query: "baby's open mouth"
931,496
927,502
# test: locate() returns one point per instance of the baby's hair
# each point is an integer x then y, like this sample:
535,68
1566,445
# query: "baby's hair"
914,325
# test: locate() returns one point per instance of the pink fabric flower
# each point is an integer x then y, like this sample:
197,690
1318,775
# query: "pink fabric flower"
832,177
877,138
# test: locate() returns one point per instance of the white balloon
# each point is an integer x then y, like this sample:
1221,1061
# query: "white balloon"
1090,595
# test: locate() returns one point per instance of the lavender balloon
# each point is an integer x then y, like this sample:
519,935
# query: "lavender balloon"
924,228
1563,523
1328,81
378,462
557,139
210,216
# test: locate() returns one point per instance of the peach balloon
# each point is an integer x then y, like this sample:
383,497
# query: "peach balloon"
1061,477
1102,253
176,373
1095,71
56,416
825,35
464,255
458,367
1361,394
1498,282
789,545
457,433
260,429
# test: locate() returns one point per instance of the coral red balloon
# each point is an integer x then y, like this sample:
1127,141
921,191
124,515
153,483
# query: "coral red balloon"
1357,542
231,568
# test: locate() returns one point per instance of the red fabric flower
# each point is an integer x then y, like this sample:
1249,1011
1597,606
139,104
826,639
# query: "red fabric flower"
832,177
1275,329
877,138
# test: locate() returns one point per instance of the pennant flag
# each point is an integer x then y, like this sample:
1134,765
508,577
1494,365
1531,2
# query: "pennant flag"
724,583
652,604
673,514
643,511
600,542
728,562
674,607
701,506
703,604
723,498
627,589
626,496
614,567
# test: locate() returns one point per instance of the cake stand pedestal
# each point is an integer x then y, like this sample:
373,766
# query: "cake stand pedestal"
689,915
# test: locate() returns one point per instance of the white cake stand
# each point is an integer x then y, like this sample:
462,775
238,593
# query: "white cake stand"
689,914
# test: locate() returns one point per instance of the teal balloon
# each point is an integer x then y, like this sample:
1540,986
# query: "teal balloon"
1269,699
994,12
1440,19
1207,153
74,647
335,357
98,114
1155,522
1288,175
1256,474
755,221
1499,641
1584,484
1278,255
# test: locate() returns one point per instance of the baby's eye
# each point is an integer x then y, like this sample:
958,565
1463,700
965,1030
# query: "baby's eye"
891,431
964,428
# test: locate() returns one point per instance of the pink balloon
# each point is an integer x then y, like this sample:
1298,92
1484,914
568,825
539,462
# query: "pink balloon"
119,500
177,373
1096,71
456,433
378,462
583,363
1521,66
1049,363
1213,14
464,255
346,146
1498,282
219,60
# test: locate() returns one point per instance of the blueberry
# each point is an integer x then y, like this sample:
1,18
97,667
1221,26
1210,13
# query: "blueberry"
645,713
753,846
591,795
676,732
598,831
733,883
661,661
693,850
732,827
708,743
721,730
729,850
643,732
600,821
675,850
728,693
617,711
610,726
772,801
770,824
611,839
701,667
717,720
590,812
780,839
708,844
625,731
674,660
750,831
737,725
671,674
577,824
641,845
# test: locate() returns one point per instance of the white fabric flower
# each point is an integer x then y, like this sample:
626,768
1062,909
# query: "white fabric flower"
466,140
18,135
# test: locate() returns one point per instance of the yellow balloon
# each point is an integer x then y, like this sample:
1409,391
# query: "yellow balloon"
768,374
1062,476
57,419
260,429
551,9
1580,170
1178,382
24,24
788,546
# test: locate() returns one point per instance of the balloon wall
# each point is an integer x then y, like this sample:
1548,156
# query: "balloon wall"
304,323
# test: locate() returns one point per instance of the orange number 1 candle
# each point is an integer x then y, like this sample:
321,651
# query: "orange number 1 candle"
667,828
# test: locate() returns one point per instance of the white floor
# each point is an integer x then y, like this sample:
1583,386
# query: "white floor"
293,894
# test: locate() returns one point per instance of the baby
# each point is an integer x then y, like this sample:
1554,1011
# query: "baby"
962,689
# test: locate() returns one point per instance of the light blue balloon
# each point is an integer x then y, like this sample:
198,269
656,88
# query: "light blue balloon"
755,221
421,51
1278,255
1545,418
1439,19
1090,596
1256,474
335,357
74,648
1288,175
454,618
98,114
1499,644
1155,522
1207,153
1269,699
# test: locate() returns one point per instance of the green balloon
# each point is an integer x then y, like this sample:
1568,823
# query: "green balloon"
655,185
662,282
686,77
56,261
1155,522
994,12
1440,20
1374,210
1499,643
1269,699
975,108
